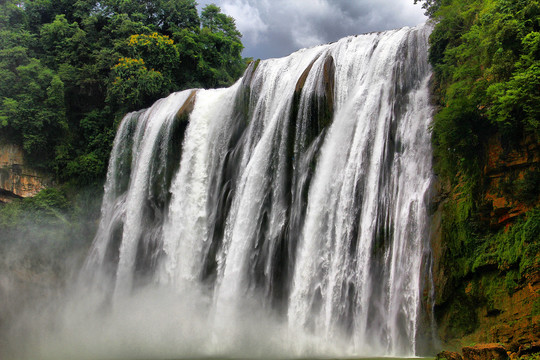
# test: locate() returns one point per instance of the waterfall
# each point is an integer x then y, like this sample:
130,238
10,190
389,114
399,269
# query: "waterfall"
301,191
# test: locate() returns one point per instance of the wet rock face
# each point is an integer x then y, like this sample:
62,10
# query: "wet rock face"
493,351
485,352
18,180
532,348
509,187
511,177
186,109
320,106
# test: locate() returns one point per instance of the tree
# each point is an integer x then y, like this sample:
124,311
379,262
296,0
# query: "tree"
69,70
213,19
158,51
135,86
63,42
431,6
175,15
221,47
35,111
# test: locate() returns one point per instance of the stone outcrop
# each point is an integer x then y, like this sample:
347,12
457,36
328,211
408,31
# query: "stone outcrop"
186,109
517,322
509,168
529,349
440,272
509,319
18,180
493,351
485,352
320,105
448,355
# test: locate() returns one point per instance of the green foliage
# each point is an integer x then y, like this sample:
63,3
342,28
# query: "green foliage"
48,203
536,306
158,51
462,231
515,248
485,268
431,6
32,104
517,98
525,190
217,22
47,199
462,317
471,251
61,41
135,85
85,167
70,69
458,136
486,59
43,234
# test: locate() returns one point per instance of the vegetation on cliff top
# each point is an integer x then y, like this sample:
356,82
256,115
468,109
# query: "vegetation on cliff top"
70,69
486,57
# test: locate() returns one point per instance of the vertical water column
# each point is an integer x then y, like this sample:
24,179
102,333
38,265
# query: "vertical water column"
358,268
136,184
411,178
186,230
113,204
253,242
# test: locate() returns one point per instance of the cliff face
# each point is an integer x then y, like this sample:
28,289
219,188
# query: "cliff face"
511,179
18,180
488,280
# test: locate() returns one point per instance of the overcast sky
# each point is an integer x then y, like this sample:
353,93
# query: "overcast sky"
275,28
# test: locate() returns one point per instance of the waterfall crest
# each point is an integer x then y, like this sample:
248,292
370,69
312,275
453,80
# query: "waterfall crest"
302,191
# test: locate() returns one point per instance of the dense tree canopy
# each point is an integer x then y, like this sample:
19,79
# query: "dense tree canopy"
486,57
70,69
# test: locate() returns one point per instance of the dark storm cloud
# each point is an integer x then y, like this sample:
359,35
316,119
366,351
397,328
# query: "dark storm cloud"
274,28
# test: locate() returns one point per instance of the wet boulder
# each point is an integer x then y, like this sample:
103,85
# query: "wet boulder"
485,352
448,355
529,349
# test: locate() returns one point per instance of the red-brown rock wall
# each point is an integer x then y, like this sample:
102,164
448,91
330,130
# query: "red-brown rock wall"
18,180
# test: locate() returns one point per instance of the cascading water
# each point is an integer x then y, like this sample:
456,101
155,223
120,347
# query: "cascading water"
302,191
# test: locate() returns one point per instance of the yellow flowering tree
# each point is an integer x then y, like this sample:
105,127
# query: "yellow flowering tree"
135,85
158,51
147,73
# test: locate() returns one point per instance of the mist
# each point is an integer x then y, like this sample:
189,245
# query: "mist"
75,321
48,309
43,241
